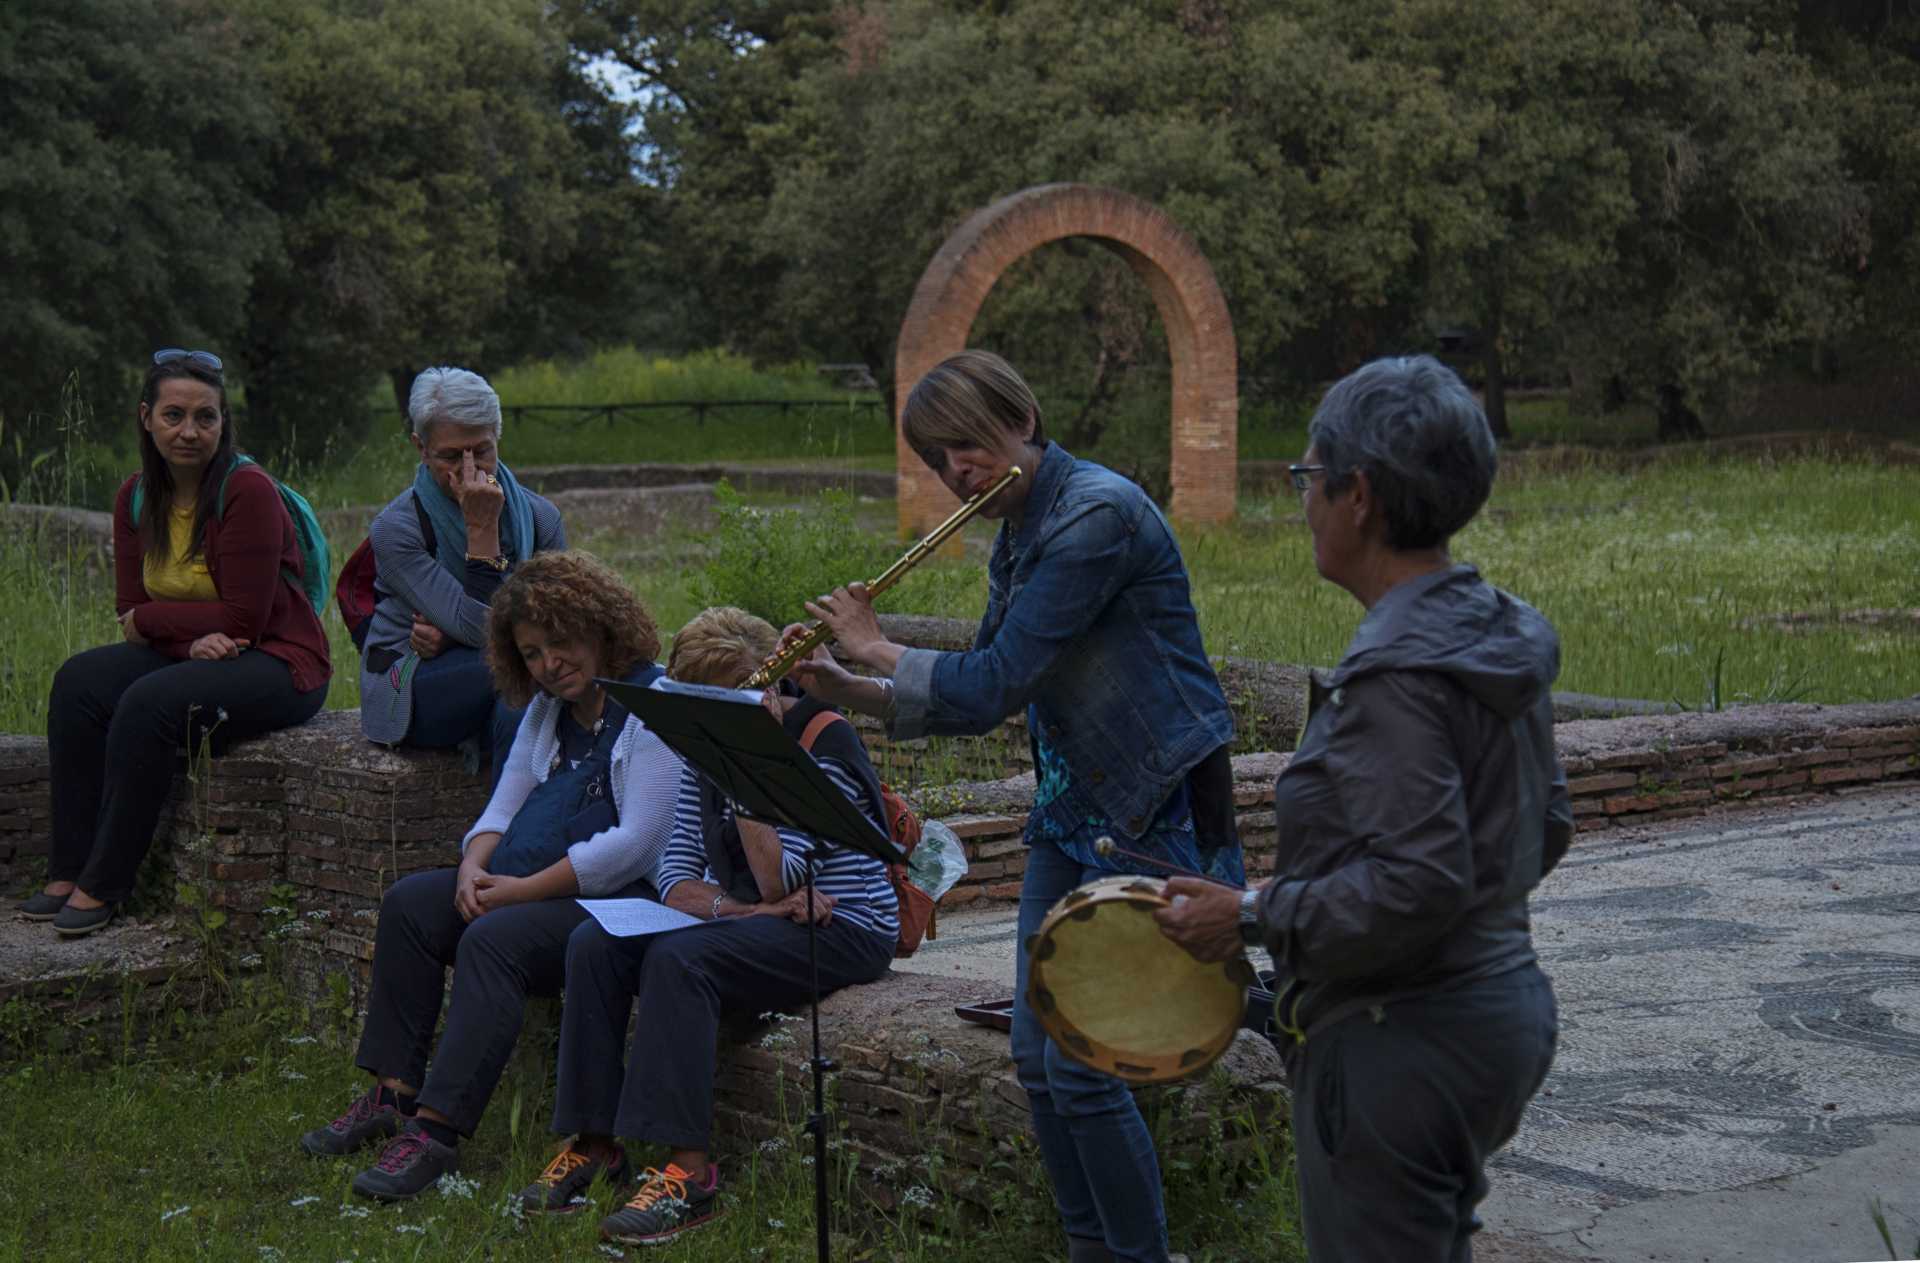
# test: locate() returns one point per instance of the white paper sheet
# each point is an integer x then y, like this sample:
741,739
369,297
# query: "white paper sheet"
628,918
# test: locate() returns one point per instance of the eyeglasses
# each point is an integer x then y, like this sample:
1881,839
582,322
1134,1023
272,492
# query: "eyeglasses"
199,359
1302,475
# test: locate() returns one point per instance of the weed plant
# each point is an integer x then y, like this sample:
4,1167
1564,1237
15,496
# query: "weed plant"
185,1129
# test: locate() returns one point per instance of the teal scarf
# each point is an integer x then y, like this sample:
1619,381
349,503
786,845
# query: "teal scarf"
450,527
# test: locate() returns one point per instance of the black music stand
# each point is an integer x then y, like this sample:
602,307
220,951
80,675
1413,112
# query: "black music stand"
747,753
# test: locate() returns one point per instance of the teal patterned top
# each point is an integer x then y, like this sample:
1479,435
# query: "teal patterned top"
1065,816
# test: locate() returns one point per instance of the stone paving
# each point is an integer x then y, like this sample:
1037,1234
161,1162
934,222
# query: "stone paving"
1739,1065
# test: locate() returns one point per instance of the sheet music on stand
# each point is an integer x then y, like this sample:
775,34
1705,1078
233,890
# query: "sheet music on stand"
748,754
729,735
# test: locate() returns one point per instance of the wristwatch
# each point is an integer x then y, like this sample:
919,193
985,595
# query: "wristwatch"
1250,917
498,561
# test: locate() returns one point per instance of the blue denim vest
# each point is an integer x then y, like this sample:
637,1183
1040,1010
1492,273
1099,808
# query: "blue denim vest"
1090,620
572,804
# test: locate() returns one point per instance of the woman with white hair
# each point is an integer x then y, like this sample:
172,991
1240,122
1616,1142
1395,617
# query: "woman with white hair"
441,548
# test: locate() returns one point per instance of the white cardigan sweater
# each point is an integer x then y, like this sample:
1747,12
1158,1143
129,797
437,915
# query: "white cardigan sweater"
646,779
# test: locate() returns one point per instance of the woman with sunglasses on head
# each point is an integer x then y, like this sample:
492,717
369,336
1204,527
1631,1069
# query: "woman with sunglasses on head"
218,641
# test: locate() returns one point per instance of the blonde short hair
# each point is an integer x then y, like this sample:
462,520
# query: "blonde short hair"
973,399
721,646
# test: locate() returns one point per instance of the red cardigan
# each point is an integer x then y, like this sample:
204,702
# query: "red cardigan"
246,549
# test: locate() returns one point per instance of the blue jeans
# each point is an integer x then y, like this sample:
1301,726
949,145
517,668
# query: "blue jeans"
453,701
1095,1144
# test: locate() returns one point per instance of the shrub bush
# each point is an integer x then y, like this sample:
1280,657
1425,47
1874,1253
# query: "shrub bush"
769,561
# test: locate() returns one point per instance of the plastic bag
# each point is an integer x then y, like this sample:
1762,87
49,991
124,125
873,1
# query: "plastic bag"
939,861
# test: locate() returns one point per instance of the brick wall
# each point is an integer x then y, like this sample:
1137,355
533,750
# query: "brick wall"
956,282
1649,769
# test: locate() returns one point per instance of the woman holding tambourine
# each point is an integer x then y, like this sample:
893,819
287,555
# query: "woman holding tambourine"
1089,629
1423,805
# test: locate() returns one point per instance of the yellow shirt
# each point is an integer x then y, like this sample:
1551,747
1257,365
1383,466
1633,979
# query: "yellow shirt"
178,579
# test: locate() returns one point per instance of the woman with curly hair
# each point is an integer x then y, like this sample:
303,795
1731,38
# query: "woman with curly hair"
584,806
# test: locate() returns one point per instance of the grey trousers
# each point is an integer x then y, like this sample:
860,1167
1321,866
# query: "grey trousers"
1396,1111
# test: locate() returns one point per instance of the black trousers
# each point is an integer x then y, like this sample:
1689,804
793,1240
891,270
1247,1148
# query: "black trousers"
685,980
1394,1120
498,960
117,719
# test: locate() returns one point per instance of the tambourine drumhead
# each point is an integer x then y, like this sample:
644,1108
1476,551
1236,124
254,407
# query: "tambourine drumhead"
1118,995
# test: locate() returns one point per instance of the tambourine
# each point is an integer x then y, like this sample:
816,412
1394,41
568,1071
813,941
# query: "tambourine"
1119,996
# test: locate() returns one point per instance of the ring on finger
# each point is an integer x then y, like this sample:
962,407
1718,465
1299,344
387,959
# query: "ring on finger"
492,481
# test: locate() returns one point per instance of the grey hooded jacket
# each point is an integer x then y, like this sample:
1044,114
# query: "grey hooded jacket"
1424,803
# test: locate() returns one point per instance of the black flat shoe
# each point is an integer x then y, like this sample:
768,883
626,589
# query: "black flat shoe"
41,906
76,922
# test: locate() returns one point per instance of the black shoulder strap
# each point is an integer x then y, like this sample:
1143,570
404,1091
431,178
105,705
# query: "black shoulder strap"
426,523
726,854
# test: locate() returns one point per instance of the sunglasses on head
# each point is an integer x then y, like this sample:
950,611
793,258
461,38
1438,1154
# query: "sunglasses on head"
199,359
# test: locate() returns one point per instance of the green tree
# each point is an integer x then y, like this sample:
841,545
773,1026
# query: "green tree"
1749,228
432,183
133,137
1520,191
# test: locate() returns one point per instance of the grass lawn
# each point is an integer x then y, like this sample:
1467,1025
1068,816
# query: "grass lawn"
1709,584
183,1148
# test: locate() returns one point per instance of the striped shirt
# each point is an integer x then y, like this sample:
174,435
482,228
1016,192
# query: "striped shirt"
858,883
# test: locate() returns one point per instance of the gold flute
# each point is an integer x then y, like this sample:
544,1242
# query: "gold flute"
785,658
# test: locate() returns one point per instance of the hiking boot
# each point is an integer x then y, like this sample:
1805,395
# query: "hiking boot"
41,906
562,1187
412,1163
372,1116
666,1204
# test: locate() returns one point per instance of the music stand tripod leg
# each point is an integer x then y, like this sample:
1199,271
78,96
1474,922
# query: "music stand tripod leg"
821,1066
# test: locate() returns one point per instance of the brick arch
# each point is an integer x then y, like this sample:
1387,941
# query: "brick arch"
1206,398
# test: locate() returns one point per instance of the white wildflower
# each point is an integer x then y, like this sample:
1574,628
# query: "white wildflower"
611,1251
512,1209
776,1039
295,1117
354,1212
275,910
270,1254
253,960
302,1039
419,1228
291,1075
776,1224
453,1184
298,1202
775,1145
318,914
918,1196
177,1210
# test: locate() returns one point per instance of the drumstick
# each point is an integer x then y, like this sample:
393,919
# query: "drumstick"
1106,848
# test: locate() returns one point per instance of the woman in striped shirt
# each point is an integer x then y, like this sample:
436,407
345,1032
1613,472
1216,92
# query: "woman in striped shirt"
747,877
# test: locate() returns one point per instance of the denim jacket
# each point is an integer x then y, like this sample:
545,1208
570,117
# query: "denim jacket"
1090,619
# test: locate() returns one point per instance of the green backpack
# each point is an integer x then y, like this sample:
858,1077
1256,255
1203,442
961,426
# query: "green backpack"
315,558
